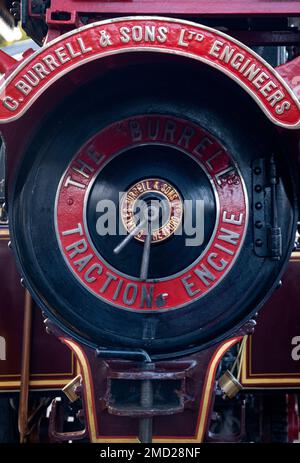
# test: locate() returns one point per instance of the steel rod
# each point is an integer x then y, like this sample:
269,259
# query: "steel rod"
129,237
146,255
25,369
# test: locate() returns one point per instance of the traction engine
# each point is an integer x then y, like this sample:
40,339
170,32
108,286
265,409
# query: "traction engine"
151,187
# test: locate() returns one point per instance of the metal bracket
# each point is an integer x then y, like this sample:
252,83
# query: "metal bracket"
259,212
120,353
266,233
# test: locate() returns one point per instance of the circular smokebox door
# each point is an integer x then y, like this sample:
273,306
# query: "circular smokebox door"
136,228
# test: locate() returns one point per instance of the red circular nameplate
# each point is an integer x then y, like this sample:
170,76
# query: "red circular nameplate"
124,291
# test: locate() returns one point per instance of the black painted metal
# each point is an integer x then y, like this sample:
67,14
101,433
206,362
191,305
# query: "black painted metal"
200,323
122,172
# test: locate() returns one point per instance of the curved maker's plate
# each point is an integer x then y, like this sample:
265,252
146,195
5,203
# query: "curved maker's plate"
153,34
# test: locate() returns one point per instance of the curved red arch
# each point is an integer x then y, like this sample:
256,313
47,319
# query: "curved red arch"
164,35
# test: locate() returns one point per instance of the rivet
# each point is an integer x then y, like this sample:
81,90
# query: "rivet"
257,170
258,188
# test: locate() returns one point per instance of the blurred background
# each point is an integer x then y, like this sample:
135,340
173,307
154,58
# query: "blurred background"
12,37
8,32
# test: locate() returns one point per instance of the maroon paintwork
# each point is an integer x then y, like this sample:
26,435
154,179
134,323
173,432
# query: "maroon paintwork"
291,74
178,7
271,356
52,364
